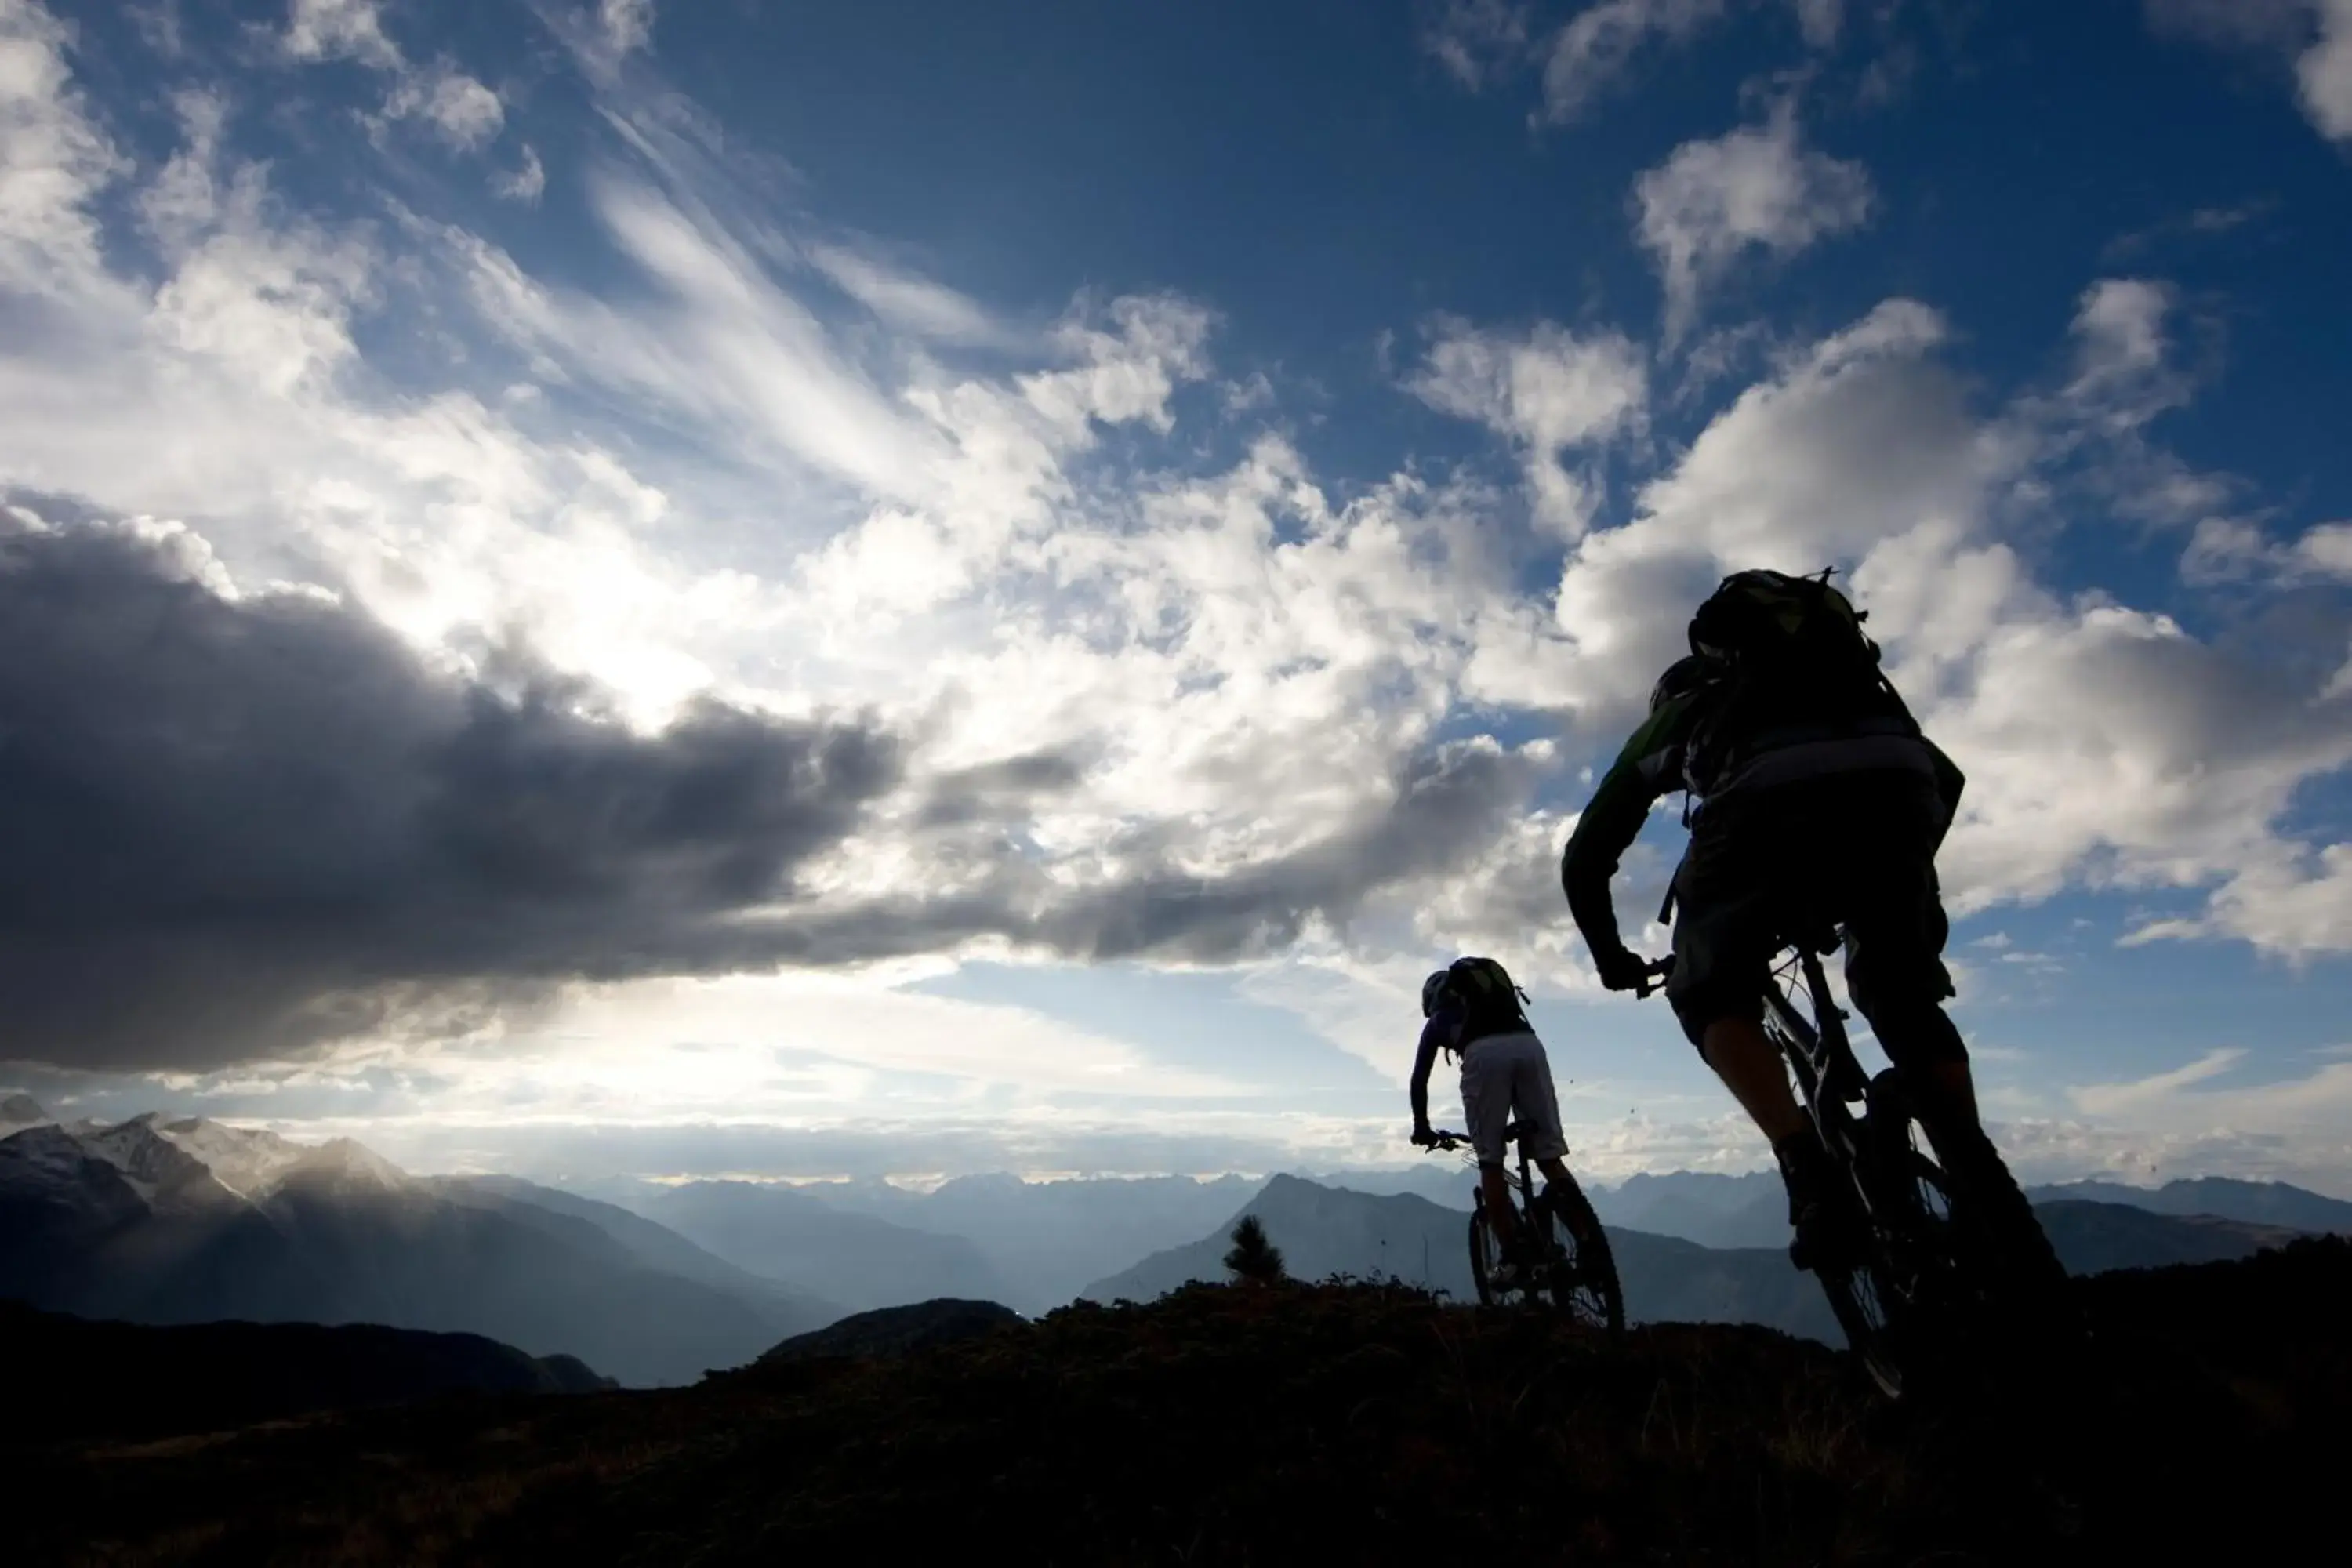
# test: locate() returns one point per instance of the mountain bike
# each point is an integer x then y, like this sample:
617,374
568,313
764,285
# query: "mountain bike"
1925,1272
1568,1263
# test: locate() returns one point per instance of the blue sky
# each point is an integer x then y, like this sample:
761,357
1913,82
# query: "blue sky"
1241,467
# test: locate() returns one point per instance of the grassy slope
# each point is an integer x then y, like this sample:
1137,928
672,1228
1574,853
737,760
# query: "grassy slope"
1308,1424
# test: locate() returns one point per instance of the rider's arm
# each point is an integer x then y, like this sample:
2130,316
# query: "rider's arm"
1440,1029
1647,768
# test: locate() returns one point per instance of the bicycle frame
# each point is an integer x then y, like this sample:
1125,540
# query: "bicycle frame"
1829,1078
1522,1186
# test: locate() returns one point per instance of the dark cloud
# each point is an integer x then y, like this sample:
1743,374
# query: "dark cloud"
233,827
1444,807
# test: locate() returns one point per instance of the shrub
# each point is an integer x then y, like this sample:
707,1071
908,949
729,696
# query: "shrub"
1253,1260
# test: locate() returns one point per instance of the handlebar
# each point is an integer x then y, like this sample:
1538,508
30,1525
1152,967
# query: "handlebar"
1661,968
1447,1142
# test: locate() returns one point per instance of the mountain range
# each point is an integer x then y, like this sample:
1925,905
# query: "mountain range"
164,1221
1047,1240
1325,1231
191,1221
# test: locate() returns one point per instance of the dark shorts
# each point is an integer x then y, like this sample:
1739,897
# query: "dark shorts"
1858,849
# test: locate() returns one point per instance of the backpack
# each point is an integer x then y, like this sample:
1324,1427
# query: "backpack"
1492,1004
1787,660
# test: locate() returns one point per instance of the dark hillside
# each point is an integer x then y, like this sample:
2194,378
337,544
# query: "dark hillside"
68,1377
1299,1423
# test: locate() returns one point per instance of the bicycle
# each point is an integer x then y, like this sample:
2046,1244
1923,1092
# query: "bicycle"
1570,1262
1919,1277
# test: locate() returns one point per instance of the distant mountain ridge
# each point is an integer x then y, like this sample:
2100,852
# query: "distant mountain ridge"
1325,1231
2223,1197
124,1221
859,1260
1047,1240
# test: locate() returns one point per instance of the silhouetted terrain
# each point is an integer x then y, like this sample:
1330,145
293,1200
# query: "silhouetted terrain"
71,1378
1299,1423
2092,1237
898,1331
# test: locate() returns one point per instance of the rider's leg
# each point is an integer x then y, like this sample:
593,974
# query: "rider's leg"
1751,1068
1486,1107
1556,1179
1496,1185
1536,1102
1895,931
1732,885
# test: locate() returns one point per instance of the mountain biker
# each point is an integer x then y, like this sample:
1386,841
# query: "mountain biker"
1814,799
1475,1012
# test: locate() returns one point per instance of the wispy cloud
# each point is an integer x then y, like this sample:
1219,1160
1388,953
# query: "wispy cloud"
1757,188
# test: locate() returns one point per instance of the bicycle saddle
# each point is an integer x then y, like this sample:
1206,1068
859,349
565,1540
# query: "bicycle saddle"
1816,936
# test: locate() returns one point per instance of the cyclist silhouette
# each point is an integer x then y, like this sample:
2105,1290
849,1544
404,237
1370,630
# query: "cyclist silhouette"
1815,802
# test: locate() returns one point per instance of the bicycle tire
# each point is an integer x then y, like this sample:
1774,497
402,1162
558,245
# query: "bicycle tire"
1481,1236
1590,1294
1870,1333
1906,1275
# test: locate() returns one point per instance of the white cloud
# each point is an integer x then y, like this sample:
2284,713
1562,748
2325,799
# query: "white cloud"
1821,21
340,30
463,113
2228,550
1585,57
912,303
2313,35
628,25
1754,189
459,111
1550,392
2298,1121
53,156
1479,40
2324,72
2123,353
528,181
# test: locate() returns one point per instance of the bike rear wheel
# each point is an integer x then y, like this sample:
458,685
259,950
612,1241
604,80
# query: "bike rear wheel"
1580,1271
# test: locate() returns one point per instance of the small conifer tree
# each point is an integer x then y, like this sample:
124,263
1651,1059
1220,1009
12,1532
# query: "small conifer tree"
1253,1260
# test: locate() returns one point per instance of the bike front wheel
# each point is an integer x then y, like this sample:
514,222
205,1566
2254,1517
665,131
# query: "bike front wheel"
1885,1303
1580,1271
1485,1259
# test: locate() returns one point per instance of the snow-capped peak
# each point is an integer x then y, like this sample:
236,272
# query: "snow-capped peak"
249,1161
167,1177
343,1166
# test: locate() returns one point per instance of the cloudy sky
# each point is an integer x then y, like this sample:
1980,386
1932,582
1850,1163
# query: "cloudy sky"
619,586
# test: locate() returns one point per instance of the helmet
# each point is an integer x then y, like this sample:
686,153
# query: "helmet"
1685,675
1431,989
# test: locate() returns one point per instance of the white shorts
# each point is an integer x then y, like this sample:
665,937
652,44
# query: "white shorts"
1507,1074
